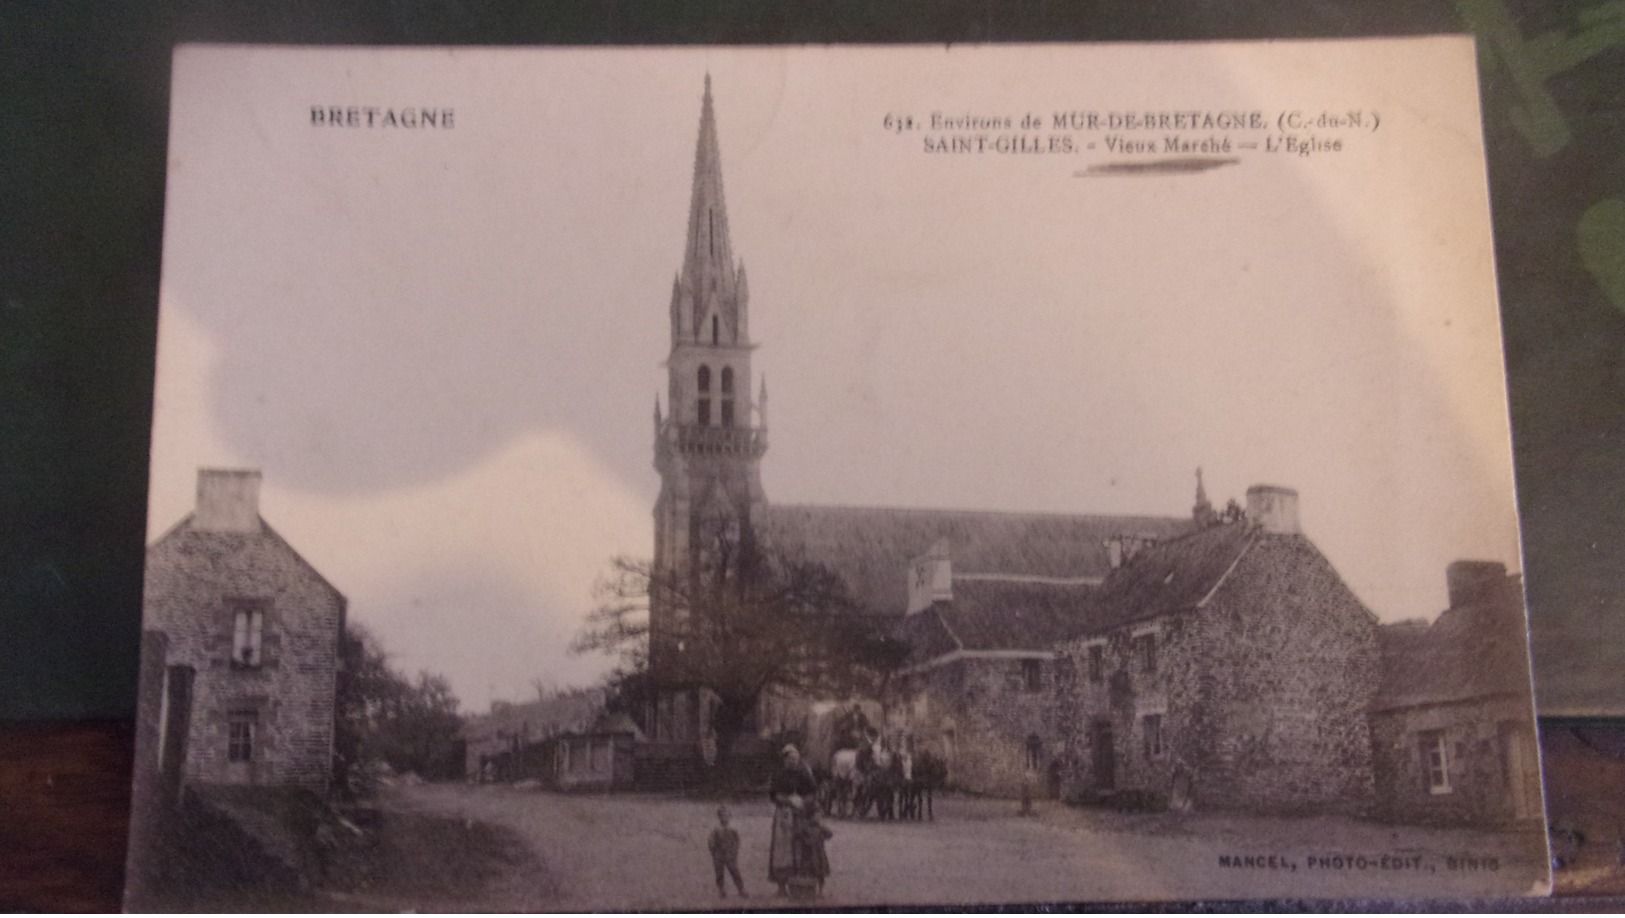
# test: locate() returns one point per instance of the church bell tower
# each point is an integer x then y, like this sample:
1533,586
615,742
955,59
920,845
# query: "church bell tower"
709,444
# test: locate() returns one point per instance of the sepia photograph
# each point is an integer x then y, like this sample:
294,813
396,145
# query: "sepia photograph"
1134,520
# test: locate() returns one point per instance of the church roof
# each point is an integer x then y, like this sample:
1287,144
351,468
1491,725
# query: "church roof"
1470,651
872,547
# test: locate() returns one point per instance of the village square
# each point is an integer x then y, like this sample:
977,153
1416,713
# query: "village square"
850,705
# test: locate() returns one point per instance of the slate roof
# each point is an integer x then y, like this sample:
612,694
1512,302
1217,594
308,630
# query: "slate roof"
872,548
996,615
1172,576
1469,652
210,549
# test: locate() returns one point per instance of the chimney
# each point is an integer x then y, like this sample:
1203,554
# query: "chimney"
1475,582
1274,509
930,578
228,500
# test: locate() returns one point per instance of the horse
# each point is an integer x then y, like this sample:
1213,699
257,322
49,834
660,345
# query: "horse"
839,792
924,776
883,780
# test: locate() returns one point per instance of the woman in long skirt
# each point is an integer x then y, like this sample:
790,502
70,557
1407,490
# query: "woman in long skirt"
793,785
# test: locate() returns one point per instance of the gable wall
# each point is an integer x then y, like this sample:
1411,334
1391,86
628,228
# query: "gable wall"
190,581
1292,669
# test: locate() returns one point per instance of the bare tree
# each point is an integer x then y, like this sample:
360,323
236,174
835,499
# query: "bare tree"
739,622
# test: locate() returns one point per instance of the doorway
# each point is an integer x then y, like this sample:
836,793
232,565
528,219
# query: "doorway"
1103,754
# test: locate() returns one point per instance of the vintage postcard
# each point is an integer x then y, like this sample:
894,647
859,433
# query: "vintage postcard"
1134,519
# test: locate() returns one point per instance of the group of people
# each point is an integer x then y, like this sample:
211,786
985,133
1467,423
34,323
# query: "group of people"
797,860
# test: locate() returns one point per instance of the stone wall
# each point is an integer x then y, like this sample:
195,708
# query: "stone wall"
978,713
194,583
1292,669
1105,692
1260,695
1491,768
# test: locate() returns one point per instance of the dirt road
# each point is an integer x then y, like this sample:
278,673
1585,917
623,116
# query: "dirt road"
649,852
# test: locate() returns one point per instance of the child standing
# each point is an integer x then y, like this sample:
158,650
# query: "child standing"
812,860
725,853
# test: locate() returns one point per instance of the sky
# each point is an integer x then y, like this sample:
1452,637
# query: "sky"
442,347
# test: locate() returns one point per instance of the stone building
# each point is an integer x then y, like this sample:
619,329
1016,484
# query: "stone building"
1452,732
1228,668
258,629
978,687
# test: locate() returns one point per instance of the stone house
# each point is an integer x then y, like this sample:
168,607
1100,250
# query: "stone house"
257,629
978,687
1227,668
1453,738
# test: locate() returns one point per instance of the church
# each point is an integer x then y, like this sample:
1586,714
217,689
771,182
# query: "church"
709,445
1216,659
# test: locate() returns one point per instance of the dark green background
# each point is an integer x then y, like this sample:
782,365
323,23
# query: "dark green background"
83,108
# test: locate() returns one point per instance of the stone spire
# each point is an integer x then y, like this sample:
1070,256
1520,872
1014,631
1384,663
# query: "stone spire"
709,254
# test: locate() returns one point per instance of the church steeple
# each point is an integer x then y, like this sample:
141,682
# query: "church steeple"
708,246
709,365
709,305
710,441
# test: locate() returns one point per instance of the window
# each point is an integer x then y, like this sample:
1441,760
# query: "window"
1032,675
727,396
240,729
703,407
600,755
1145,652
714,330
1035,753
1151,733
1097,663
1435,761
247,635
